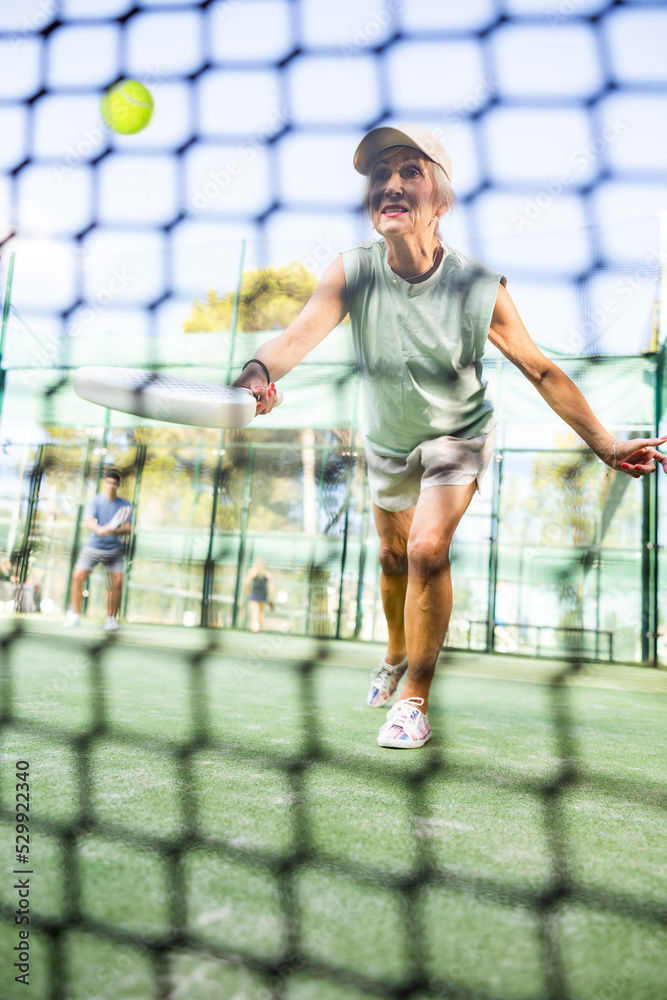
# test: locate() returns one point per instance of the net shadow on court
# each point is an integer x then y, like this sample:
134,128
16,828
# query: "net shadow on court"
208,810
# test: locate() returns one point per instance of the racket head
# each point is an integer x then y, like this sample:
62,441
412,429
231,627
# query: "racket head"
121,516
165,397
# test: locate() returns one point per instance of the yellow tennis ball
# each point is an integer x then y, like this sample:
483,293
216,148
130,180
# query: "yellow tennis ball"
127,107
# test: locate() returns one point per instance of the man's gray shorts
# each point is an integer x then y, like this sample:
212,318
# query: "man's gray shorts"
113,559
396,482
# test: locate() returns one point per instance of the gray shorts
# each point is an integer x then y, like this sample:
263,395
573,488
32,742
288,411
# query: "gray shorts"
113,559
396,482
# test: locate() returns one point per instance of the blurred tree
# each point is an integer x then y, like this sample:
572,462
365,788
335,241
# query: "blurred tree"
568,490
271,298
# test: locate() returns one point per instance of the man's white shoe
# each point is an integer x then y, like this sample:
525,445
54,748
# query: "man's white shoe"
406,727
384,681
110,624
71,619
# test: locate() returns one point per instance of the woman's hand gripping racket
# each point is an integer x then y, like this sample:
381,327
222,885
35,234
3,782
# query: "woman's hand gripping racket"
165,397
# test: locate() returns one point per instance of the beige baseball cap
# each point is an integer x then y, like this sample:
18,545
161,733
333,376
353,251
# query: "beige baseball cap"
416,136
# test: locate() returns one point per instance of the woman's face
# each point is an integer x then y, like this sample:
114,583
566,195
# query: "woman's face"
401,194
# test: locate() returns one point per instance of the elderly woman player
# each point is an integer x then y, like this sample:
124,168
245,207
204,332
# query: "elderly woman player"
421,313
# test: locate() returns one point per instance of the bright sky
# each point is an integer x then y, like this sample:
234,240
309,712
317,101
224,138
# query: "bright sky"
543,149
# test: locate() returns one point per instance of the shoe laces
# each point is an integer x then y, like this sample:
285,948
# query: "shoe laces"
385,671
402,710
382,674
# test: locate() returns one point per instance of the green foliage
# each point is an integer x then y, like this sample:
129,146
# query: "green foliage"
569,486
271,298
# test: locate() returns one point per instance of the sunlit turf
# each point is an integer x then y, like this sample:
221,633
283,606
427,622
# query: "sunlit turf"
182,745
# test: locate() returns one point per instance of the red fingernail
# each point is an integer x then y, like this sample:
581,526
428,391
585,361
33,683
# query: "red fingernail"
625,465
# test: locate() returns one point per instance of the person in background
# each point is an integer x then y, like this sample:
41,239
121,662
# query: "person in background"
106,545
259,589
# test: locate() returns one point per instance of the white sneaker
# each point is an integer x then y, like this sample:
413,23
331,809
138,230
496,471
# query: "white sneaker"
384,681
110,624
406,727
71,619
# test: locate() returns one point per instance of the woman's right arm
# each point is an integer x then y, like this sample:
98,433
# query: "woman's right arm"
326,308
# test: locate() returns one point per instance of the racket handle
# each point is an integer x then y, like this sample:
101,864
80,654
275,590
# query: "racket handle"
279,395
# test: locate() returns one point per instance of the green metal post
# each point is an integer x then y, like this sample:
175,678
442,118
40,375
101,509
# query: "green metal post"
79,513
598,582
493,553
209,564
5,317
346,529
365,518
320,495
131,545
235,315
659,388
193,514
31,519
247,498
646,570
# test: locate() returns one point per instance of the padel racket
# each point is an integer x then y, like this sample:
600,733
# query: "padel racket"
120,517
165,397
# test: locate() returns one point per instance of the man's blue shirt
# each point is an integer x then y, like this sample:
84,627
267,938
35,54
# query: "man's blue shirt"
104,509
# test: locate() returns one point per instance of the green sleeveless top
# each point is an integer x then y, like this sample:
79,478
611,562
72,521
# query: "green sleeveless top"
419,348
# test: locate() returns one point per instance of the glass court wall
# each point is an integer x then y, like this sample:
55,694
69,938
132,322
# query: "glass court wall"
555,552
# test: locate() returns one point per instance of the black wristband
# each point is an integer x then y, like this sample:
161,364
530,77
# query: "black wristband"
256,361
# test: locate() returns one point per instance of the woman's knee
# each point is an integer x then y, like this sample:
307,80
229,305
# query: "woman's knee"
393,560
428,554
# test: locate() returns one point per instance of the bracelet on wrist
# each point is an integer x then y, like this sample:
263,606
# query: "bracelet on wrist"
256,361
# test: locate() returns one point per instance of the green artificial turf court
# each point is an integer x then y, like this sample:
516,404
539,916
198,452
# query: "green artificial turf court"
211,818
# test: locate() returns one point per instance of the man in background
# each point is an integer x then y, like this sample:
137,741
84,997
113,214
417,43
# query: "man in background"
109,518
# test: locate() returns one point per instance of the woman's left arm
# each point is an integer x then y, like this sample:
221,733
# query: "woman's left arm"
637,457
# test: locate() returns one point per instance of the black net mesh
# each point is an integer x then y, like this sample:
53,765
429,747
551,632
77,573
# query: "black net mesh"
191,893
